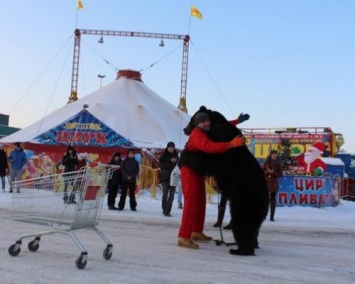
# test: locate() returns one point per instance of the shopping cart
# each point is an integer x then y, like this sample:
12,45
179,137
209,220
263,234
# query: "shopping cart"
43,201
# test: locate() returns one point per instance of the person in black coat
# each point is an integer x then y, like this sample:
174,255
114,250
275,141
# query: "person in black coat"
130,171
4,168
115,181
167,163
70,162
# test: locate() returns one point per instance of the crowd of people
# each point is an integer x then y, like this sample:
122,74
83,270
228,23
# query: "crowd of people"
124,175
123,179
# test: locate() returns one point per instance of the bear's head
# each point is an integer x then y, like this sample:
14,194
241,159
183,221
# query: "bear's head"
221,130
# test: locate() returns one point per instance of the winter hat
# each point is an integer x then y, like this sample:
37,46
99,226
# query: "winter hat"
116,154
201,117
318,146
170,144
130,151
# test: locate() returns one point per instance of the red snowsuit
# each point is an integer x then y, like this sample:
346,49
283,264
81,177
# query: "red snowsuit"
193,185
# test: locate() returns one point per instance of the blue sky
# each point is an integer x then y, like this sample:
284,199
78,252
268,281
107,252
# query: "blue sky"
286,63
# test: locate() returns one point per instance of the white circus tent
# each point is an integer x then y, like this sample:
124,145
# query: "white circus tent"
123,114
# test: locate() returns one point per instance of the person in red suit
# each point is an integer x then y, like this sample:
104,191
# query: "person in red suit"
193,185
311,162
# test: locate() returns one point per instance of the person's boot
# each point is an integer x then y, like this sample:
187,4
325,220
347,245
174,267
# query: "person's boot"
187,243
200,236
180,205
272,210
220,216
229,226
72,198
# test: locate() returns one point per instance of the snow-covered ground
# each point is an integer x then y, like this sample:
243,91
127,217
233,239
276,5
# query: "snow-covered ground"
304,245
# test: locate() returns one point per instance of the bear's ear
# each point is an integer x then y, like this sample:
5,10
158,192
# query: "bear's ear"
202,109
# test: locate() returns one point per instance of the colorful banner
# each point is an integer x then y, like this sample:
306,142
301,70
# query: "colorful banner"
83,129
261,144
308,191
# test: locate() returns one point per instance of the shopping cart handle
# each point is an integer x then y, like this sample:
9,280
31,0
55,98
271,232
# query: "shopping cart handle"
110,166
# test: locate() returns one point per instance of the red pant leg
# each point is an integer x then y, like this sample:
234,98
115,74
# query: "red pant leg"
193,215
201,206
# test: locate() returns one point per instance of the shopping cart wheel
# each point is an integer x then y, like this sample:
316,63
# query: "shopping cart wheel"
108,252
15,249
82,260
34,244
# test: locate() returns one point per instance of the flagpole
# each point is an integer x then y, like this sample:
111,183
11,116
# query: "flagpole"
76,20
189,21
78,7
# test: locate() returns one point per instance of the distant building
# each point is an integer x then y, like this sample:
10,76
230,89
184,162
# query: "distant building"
5,129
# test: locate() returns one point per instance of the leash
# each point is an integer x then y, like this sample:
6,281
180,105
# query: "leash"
221,241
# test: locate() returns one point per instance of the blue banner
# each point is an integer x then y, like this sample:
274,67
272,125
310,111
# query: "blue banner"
83,129
308,191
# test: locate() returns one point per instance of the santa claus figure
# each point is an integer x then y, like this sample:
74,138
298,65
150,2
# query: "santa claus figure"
311,161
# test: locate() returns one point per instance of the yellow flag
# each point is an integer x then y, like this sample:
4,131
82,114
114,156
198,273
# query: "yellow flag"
80,5
195,12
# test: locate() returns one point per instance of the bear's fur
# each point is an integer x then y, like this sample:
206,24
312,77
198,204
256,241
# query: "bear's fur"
239,175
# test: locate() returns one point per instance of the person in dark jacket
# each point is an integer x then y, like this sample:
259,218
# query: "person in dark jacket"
273,171
4,169
70,162
18,160
115,181
130,171
167,163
